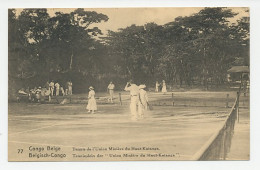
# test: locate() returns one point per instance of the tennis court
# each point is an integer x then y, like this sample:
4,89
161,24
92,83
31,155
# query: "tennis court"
68,133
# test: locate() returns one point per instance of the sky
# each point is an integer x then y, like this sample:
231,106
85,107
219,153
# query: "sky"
123,17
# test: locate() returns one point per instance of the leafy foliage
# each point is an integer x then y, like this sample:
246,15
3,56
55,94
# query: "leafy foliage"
191,50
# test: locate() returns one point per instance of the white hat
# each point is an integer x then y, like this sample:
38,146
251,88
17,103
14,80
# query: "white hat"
142,86
91,88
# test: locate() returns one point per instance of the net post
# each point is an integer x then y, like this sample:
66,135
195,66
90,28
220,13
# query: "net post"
120,100
237,106
227,100
172,100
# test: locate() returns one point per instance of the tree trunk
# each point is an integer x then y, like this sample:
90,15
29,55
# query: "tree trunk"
71,60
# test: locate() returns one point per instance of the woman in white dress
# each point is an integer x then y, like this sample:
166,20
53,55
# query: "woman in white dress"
143,100
164,90
92,104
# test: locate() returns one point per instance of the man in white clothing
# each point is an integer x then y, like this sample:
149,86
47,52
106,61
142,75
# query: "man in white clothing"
157,86
52,87
110,89
134,94
69,88
57,86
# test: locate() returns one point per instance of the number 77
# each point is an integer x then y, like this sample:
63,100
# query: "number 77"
20,150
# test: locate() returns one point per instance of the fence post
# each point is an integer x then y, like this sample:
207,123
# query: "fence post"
120,100
237,105
224,140
227,101
172,100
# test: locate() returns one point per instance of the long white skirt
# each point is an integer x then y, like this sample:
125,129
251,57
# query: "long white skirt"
92,104
164,90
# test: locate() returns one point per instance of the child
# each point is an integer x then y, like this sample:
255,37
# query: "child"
92,104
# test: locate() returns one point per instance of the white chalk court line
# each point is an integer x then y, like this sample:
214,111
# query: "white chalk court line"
37,129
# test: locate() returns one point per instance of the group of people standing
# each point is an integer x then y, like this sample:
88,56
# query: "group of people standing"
138,99
56,89
92,104
46,92
160,87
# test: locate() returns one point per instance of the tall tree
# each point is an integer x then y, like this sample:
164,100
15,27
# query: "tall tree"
72,39
40,43
138,48
206,38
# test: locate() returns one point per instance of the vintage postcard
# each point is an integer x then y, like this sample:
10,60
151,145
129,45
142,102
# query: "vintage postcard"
128,84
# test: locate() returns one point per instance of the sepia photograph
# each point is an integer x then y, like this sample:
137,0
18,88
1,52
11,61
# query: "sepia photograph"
129,84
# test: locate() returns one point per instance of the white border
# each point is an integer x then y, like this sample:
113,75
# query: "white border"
253,164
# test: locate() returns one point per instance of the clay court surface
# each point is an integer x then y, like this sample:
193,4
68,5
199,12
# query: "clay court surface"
165,133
